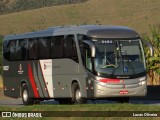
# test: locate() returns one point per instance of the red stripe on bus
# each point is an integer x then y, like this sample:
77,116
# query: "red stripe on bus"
107,80
33,84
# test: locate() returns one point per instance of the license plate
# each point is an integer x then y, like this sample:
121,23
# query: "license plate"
123,92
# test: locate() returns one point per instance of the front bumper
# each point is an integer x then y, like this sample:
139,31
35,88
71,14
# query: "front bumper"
112,91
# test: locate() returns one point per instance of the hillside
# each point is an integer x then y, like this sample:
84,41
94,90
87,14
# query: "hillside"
10,6
136,14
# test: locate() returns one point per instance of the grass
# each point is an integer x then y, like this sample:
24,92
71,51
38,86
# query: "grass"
84,107
135,14
88,107
10,6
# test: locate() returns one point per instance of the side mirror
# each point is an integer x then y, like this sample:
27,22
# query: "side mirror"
150,47
92,47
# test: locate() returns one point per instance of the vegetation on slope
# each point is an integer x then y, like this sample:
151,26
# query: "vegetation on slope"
9,6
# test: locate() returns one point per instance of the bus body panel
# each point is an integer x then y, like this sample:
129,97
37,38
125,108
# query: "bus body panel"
65,72
49,81
13,88
16,74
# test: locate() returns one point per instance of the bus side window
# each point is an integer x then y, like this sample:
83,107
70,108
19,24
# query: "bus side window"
22,52
85,52
70,48
44,48
6,50
87,55
57,47
12,50
33,49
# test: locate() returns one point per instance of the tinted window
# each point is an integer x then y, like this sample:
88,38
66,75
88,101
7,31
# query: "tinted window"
12,50
44,48
22,50
6,51
57,45
41,48
32,49
15,50
70,48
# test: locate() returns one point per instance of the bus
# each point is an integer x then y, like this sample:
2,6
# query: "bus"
73,64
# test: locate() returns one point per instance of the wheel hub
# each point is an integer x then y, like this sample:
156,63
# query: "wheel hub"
25,95
78,95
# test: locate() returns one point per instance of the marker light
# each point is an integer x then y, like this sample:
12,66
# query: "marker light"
142,83
142,79
102,83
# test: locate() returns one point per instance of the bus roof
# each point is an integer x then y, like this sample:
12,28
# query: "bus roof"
98,31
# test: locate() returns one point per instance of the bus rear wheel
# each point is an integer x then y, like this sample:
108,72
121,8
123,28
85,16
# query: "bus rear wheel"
76,94
25,96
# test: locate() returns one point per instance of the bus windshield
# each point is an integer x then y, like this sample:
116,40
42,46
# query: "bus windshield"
119,57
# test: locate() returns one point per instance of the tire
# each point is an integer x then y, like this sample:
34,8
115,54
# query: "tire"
123,100
25,96
76,94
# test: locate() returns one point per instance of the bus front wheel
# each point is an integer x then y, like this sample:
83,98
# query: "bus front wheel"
76,94
25,96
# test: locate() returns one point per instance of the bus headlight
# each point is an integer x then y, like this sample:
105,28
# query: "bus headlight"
142,83
142,79
102,83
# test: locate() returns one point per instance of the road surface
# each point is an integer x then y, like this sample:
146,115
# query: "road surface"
18,102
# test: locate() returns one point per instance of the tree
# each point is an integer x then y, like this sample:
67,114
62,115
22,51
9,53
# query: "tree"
153,63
